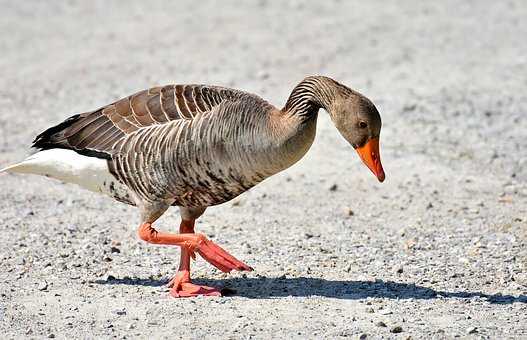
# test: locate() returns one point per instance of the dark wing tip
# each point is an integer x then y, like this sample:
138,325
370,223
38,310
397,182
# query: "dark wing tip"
50,138
53,138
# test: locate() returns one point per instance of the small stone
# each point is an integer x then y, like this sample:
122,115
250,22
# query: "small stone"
410,244
42,285
334,187
399,269
370,310
363,336
380,324
349,212
115,250
396,329
236,203
463,260
409,107
121,311
262,74
51,335
472,330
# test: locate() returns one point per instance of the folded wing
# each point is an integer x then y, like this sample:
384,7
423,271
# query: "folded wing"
96,133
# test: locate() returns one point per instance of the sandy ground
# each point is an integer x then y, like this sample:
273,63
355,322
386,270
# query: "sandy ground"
437,251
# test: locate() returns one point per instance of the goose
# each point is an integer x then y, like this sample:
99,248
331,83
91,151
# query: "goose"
195,146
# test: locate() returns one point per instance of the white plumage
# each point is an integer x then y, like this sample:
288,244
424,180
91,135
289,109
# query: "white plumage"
68,166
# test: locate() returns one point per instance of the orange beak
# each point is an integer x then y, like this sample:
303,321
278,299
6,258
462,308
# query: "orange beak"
369,153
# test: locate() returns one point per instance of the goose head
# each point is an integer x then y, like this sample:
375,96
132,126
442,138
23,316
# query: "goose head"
359,122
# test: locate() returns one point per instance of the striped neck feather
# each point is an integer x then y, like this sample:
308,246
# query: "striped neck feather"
311,94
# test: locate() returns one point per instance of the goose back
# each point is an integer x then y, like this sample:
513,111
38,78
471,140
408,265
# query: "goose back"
95,133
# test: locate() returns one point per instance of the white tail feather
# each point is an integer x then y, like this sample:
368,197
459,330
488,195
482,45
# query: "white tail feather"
11,168
26,166
68,166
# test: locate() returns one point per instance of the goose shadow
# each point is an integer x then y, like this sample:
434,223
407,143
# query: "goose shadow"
265,287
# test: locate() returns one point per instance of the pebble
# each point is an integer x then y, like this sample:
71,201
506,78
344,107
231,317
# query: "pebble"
236,203
334,187
43,285
262,74
380,324
121,311
396,329
363,336
472,330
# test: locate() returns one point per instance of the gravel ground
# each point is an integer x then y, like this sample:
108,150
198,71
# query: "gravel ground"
437,251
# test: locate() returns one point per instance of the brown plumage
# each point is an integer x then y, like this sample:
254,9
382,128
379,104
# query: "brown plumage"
99,130
195,146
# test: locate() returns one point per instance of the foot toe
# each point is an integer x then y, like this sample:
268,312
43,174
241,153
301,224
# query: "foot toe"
190,290
220,258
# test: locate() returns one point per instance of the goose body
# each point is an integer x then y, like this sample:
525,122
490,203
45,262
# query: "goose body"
195,146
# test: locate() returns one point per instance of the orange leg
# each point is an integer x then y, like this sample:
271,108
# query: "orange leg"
180,283
189,243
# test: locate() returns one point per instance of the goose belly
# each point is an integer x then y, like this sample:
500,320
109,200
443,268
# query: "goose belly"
210,191
220,180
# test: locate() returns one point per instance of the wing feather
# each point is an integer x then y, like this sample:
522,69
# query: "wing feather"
100,131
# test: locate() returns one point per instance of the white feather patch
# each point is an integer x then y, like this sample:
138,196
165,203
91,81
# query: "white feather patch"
68,166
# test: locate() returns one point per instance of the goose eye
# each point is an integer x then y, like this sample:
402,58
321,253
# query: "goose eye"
363,125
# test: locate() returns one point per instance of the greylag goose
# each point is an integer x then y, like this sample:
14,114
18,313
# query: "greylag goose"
194,146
